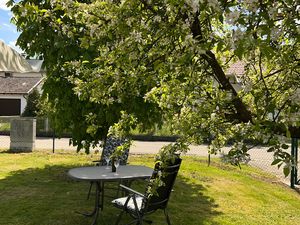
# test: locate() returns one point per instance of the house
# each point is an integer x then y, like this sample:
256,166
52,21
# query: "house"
18,78
235,73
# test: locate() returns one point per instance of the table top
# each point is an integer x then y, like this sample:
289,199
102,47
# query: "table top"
102,173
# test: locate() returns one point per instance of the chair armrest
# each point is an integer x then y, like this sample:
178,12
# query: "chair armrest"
132,191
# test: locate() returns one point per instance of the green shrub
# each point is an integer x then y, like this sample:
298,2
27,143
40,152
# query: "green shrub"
31,108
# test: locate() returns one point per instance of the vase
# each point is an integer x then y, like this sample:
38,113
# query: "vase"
113,167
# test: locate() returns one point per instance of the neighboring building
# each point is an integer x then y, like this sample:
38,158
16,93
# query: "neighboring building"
234,73
18,78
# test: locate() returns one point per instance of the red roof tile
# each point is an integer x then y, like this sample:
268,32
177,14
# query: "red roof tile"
237,68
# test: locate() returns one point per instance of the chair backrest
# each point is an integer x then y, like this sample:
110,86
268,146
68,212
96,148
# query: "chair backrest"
110,146
161,198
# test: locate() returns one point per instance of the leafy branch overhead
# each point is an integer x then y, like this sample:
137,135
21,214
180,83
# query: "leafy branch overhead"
168,61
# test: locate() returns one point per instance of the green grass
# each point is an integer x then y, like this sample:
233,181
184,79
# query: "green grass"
4,126
34,189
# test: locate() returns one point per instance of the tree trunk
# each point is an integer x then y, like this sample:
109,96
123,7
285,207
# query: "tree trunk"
242,113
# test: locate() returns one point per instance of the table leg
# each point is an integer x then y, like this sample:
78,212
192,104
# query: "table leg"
98,203
102,195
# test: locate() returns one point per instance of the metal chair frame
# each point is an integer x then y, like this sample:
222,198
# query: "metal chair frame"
150,203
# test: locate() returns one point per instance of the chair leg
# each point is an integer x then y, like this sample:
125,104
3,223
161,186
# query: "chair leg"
118,191
119,218
148,221
90,189
167,217
140,221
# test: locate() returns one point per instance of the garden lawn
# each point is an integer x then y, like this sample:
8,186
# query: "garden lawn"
35,189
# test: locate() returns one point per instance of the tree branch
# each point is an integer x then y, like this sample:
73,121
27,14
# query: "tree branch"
242,113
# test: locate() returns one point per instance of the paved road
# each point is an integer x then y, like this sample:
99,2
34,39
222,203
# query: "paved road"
138,147
259,156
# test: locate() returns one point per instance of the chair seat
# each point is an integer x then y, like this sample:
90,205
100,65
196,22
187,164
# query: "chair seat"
120,202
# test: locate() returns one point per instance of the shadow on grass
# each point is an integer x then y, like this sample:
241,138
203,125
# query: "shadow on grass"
8,151
5,151
49,197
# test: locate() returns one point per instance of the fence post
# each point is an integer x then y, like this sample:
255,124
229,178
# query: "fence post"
53,146
294,154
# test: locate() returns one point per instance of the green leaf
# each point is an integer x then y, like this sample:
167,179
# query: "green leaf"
285,146
239,51
221,18
288,133
220,45
276,161
286,171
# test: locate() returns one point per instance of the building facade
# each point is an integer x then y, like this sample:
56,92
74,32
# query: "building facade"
18,78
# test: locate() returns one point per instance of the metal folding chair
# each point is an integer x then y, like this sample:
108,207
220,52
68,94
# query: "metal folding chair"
138,205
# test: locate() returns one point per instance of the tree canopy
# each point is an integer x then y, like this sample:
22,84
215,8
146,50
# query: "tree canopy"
145,61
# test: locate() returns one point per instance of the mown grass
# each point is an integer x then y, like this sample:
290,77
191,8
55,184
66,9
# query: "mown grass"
4,126
35,189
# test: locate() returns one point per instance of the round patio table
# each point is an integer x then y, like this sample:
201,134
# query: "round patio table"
101,174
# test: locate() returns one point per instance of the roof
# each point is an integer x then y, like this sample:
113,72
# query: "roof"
18,85
12,61
36,64
237,68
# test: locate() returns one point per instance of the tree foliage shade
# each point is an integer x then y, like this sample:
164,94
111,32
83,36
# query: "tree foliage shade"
144,61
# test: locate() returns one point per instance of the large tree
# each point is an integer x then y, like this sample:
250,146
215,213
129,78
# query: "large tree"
111,60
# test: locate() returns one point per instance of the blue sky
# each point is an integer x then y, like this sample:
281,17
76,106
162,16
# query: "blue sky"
8,31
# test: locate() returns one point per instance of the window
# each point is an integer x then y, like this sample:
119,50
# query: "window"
7,74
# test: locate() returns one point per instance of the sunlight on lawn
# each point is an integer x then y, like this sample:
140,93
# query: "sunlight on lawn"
35,189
